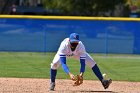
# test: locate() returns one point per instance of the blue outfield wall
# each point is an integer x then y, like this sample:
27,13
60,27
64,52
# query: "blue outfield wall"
45,35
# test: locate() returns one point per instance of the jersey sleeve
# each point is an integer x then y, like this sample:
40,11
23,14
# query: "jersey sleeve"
82,62
62,53
82,54
62,48
82,51
63,63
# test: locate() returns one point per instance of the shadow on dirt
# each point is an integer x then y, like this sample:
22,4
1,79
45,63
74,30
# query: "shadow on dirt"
98,91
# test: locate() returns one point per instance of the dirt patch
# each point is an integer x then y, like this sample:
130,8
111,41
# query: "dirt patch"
28,85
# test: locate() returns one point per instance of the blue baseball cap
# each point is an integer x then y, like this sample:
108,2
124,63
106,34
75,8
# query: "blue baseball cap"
74,37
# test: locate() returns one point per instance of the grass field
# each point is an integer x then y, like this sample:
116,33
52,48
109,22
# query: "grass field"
37,65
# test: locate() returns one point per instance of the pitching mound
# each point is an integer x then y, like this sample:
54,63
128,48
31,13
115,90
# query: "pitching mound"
26,85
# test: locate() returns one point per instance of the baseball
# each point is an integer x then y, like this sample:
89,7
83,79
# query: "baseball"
104,76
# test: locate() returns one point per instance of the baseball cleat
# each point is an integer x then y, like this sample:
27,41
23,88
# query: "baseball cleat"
106,83
52,86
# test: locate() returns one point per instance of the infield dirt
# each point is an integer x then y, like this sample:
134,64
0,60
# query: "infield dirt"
29,85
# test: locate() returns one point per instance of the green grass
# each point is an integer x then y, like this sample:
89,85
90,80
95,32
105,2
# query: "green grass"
37,65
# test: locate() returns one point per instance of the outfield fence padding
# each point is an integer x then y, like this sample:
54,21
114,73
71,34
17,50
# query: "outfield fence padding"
44,33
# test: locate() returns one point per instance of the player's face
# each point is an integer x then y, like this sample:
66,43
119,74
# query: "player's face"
74,44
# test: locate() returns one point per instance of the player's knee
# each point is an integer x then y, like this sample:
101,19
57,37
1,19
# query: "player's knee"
54,66
90,64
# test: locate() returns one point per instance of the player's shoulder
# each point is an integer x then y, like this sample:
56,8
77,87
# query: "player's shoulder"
66,40
80,43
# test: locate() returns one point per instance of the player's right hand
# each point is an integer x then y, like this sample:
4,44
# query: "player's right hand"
72,77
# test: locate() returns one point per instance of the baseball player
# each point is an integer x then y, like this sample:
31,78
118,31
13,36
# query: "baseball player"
73,47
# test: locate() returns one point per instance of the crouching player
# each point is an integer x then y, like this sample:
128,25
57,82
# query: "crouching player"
73,47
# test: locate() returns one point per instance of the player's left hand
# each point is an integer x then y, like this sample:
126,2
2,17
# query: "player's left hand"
79,80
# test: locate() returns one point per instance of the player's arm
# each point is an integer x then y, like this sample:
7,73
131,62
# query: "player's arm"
79,78
65,67
82,69
62,53
82,58
63,63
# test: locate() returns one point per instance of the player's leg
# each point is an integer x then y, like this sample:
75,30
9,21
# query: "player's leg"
92,64
53,71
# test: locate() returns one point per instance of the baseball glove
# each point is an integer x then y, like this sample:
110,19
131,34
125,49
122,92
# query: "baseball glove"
78,81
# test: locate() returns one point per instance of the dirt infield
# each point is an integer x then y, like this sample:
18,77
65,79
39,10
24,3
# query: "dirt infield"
26,85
